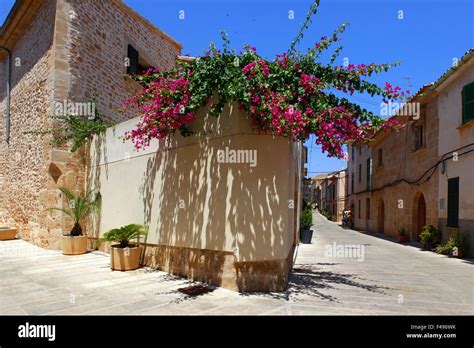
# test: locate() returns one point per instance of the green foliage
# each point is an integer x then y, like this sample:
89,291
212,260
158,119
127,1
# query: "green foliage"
430,235
306,205
306,219
125,234
77,129
79,208
457,240
294,95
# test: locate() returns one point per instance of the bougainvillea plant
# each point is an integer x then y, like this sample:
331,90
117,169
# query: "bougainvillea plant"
294,95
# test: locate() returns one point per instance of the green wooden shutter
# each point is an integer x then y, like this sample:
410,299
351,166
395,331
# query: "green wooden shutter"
453,202
468,102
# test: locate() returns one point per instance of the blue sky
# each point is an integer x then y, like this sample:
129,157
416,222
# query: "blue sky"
425,41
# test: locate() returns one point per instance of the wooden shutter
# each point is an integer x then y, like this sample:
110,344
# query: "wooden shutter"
369,165
132,55
468,102
453,202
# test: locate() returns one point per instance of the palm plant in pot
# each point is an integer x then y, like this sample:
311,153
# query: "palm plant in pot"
125,256
78,209
306,221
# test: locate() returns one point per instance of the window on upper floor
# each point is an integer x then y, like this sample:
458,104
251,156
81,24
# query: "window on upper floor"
352,182
419,137
352,153
137,65
360,150
379,157
360,172
369,172
468,103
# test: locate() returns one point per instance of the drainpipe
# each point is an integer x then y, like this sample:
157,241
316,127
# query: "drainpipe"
7,120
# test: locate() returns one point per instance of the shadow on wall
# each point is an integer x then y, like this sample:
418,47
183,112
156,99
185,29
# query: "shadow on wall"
230,224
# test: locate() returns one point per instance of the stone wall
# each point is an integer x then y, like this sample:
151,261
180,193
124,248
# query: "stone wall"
23,162
100,32
70,49
400,160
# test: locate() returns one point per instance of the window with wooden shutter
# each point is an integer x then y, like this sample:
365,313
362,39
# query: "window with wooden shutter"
132,55
369,170
468,102
352,183
453,202
360,172
418,137
367,208
379,157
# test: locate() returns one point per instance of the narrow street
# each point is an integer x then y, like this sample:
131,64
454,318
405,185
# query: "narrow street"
389,279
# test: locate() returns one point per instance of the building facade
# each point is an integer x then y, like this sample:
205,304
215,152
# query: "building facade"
359,183
422,174
330,193
455,103
229,224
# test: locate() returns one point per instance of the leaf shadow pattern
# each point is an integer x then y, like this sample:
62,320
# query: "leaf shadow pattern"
306,280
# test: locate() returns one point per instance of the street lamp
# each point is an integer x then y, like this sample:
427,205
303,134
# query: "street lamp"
7,120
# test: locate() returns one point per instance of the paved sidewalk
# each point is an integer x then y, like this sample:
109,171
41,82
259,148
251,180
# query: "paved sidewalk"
391,279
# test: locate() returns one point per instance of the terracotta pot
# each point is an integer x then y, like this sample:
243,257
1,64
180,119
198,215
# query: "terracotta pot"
125,259
8,233
402,238
76,245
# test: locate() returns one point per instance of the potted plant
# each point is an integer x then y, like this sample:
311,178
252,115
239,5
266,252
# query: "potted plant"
306,221
7,233
125,256
455,246
402,235
429,237
78,208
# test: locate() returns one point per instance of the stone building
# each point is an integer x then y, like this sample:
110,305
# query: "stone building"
229,224
330,192
422,174
390,185
359,181
317,181
62,51
455,98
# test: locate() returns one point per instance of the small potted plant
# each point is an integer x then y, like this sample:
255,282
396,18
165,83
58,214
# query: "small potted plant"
125,256
455,246
402,236
429,237
7,233
78,208
306,221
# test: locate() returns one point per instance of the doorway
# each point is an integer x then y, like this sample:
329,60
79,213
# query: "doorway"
381,217
419,215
